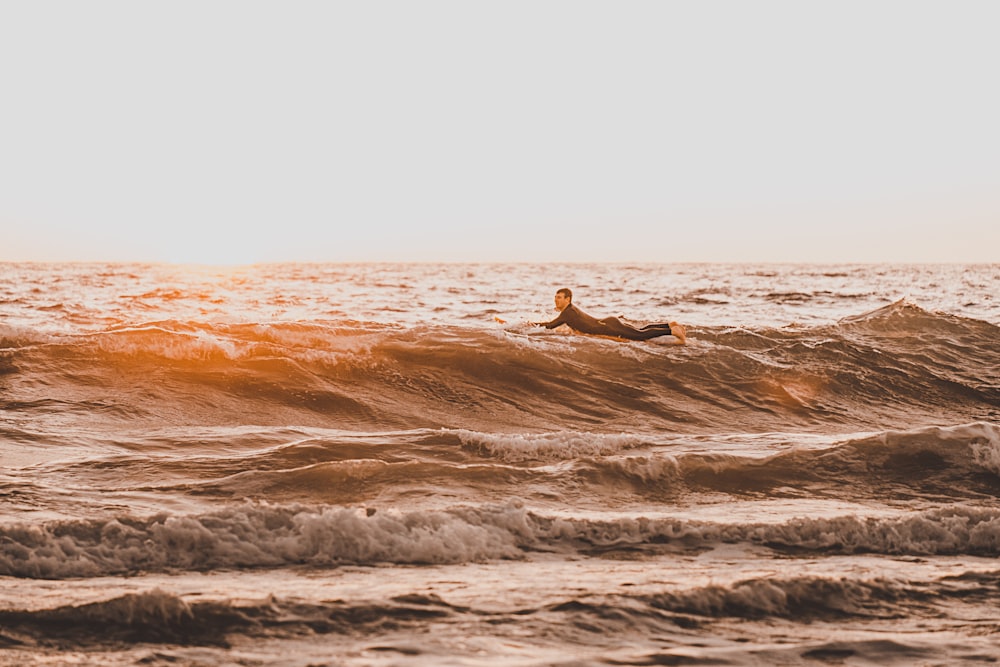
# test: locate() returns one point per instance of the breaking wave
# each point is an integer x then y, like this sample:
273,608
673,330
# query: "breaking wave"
260,536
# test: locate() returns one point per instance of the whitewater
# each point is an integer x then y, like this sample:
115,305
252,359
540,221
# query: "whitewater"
387,464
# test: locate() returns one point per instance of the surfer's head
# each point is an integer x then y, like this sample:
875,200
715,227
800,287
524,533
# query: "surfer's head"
564,297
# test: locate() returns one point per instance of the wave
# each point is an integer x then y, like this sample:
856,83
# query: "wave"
955,463
157,616
263,536
945,462
896,366
807,598
585,470
160,617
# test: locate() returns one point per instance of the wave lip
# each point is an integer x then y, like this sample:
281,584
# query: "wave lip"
558,446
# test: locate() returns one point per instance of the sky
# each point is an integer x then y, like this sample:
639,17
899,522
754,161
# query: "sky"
239,132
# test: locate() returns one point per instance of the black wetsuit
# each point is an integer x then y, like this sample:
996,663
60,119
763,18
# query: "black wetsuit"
580,321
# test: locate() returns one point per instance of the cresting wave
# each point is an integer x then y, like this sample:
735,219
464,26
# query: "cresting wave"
160,617
895,366
261,536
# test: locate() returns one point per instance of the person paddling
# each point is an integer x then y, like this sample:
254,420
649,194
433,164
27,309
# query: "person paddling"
581,322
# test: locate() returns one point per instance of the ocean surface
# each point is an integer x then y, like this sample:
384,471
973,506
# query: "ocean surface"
335,464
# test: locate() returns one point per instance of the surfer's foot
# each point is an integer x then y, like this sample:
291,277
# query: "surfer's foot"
678,331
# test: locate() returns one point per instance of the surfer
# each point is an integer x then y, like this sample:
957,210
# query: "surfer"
581,322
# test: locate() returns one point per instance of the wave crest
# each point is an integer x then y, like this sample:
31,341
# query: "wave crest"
274,537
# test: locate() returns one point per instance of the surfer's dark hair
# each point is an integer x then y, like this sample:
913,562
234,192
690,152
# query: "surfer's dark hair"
565,291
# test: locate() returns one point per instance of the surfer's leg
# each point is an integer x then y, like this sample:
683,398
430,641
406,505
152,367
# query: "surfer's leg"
618,328
660,329
652,332
615,327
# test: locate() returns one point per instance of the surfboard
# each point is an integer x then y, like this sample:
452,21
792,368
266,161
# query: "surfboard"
674,338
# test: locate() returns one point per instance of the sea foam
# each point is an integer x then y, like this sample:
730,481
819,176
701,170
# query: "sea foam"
264,536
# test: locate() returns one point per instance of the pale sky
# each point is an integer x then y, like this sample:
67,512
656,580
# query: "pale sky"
238,132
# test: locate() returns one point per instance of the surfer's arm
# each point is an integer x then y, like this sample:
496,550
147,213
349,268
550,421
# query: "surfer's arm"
549,325
552,324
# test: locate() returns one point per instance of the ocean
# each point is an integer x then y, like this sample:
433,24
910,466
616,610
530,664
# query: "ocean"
387,464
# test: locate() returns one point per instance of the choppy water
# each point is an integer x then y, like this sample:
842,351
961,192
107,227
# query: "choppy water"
357,465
